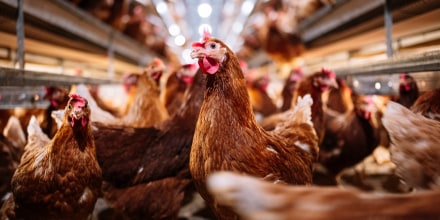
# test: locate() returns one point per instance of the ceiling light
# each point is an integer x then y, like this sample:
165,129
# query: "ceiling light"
161,7
179,40
390,84
204,10
377,85
174,29
355,83
247,7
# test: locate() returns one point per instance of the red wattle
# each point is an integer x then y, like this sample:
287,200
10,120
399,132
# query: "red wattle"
208,65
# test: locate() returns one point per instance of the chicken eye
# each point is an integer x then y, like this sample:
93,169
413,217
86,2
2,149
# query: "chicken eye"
69,107
212,46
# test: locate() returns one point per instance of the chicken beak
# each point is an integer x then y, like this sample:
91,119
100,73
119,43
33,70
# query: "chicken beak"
197,53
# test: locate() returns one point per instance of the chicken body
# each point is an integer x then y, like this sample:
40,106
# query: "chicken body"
428,104
176,87
256,199
339,99
415,146
261,102
61,180
147,168
350,137
227,136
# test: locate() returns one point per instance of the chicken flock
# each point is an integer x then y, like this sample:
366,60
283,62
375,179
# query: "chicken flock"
197,136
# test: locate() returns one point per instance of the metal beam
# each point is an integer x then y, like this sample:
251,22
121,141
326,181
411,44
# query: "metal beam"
330,18
63,15
15,77
20,34
388,28
429,61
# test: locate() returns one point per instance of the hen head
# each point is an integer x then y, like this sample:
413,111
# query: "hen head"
130,81
365,106
324,79
210,52
155,69
57,96
186,73
406,83
262,83
77,111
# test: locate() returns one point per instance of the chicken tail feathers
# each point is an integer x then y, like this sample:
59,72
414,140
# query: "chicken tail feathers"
303,110
33,127
244,194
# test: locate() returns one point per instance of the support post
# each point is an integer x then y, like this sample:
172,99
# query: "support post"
388,28
20,34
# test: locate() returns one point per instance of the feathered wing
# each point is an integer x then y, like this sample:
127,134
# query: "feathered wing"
415,147
297,127
36,137
14,132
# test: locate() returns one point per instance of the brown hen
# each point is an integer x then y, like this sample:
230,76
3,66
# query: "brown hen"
61,180
151,160
227,136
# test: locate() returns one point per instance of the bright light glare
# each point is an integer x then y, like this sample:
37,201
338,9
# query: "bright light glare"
174,29
377,85
204,10
237,27
247,6
179,40
355,83
390,84
204,27
161,7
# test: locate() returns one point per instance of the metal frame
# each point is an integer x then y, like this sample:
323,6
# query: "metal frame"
429,61
61,14
16,77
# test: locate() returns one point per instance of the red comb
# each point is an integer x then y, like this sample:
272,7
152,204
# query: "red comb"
78,100
329,73
75,96
206,35
198,44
